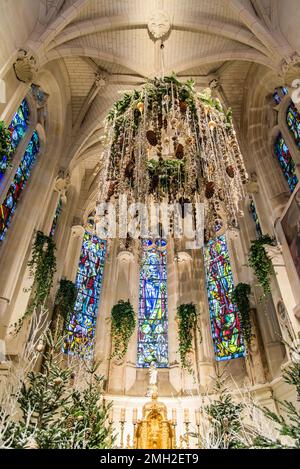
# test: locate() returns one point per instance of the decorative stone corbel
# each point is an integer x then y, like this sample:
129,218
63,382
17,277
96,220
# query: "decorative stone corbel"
184,257
62,184
289,62
25,67
252,186
77,231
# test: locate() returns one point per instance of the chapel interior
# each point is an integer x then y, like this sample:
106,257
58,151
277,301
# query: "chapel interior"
64,64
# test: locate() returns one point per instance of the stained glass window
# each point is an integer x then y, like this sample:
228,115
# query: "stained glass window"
254,215
8,207
226,330
17,129
153,305
286,161
80,330
279,93
56,217
293,122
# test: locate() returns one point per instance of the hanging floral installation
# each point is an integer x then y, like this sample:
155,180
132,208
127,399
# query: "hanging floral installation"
167,143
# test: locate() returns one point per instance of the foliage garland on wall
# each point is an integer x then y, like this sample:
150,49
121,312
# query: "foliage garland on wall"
240,297
65,298
123,323
42,267
63,305
261,263
5,147
187,320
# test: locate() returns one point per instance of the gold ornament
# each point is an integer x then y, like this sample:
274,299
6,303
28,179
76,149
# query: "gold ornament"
140,106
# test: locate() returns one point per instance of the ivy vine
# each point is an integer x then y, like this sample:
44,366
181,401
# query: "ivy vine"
187,320
6,149
42,267
261,263
64,304
123,323
240,297
65,298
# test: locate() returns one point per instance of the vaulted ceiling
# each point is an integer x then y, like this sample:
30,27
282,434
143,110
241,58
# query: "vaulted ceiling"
208,39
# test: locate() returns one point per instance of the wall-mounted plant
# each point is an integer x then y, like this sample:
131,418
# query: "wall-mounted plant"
63,305
6,149
42,268
187,320
260,261
123,323
240,297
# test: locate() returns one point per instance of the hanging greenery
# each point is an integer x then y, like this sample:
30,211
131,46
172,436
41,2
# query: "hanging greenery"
187,320
65,298
166,142
260,261
63,306
240,297
165,175
5,147
42,267
123,323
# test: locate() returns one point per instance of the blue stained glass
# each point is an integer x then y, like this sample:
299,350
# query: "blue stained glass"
80,331
153,306
254,215
279,93
226,329
286,161
17,129
293,122
56,217
8,207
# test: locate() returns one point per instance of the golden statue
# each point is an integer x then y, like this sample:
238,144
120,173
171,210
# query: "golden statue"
154,430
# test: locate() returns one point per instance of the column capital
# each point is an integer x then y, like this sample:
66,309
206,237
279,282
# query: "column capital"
77,231
62,184
275,254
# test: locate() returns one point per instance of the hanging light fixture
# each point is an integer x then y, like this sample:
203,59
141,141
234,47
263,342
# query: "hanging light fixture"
166,143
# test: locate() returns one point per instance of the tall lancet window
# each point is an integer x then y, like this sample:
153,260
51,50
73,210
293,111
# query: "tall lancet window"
153,305
226,330
17,129
293,122
286,161
81,327
8,207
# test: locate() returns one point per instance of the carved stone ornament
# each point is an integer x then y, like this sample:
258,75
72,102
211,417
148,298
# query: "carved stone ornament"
159,24
25,66
62,185
289,62
214,84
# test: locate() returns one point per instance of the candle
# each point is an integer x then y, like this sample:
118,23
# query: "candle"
197,416
186,416
174,416
111,416
122,417
134,416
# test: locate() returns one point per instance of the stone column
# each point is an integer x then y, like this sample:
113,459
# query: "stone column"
73,252
60,189
205,360
173,293
107,300
123,372
282,290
